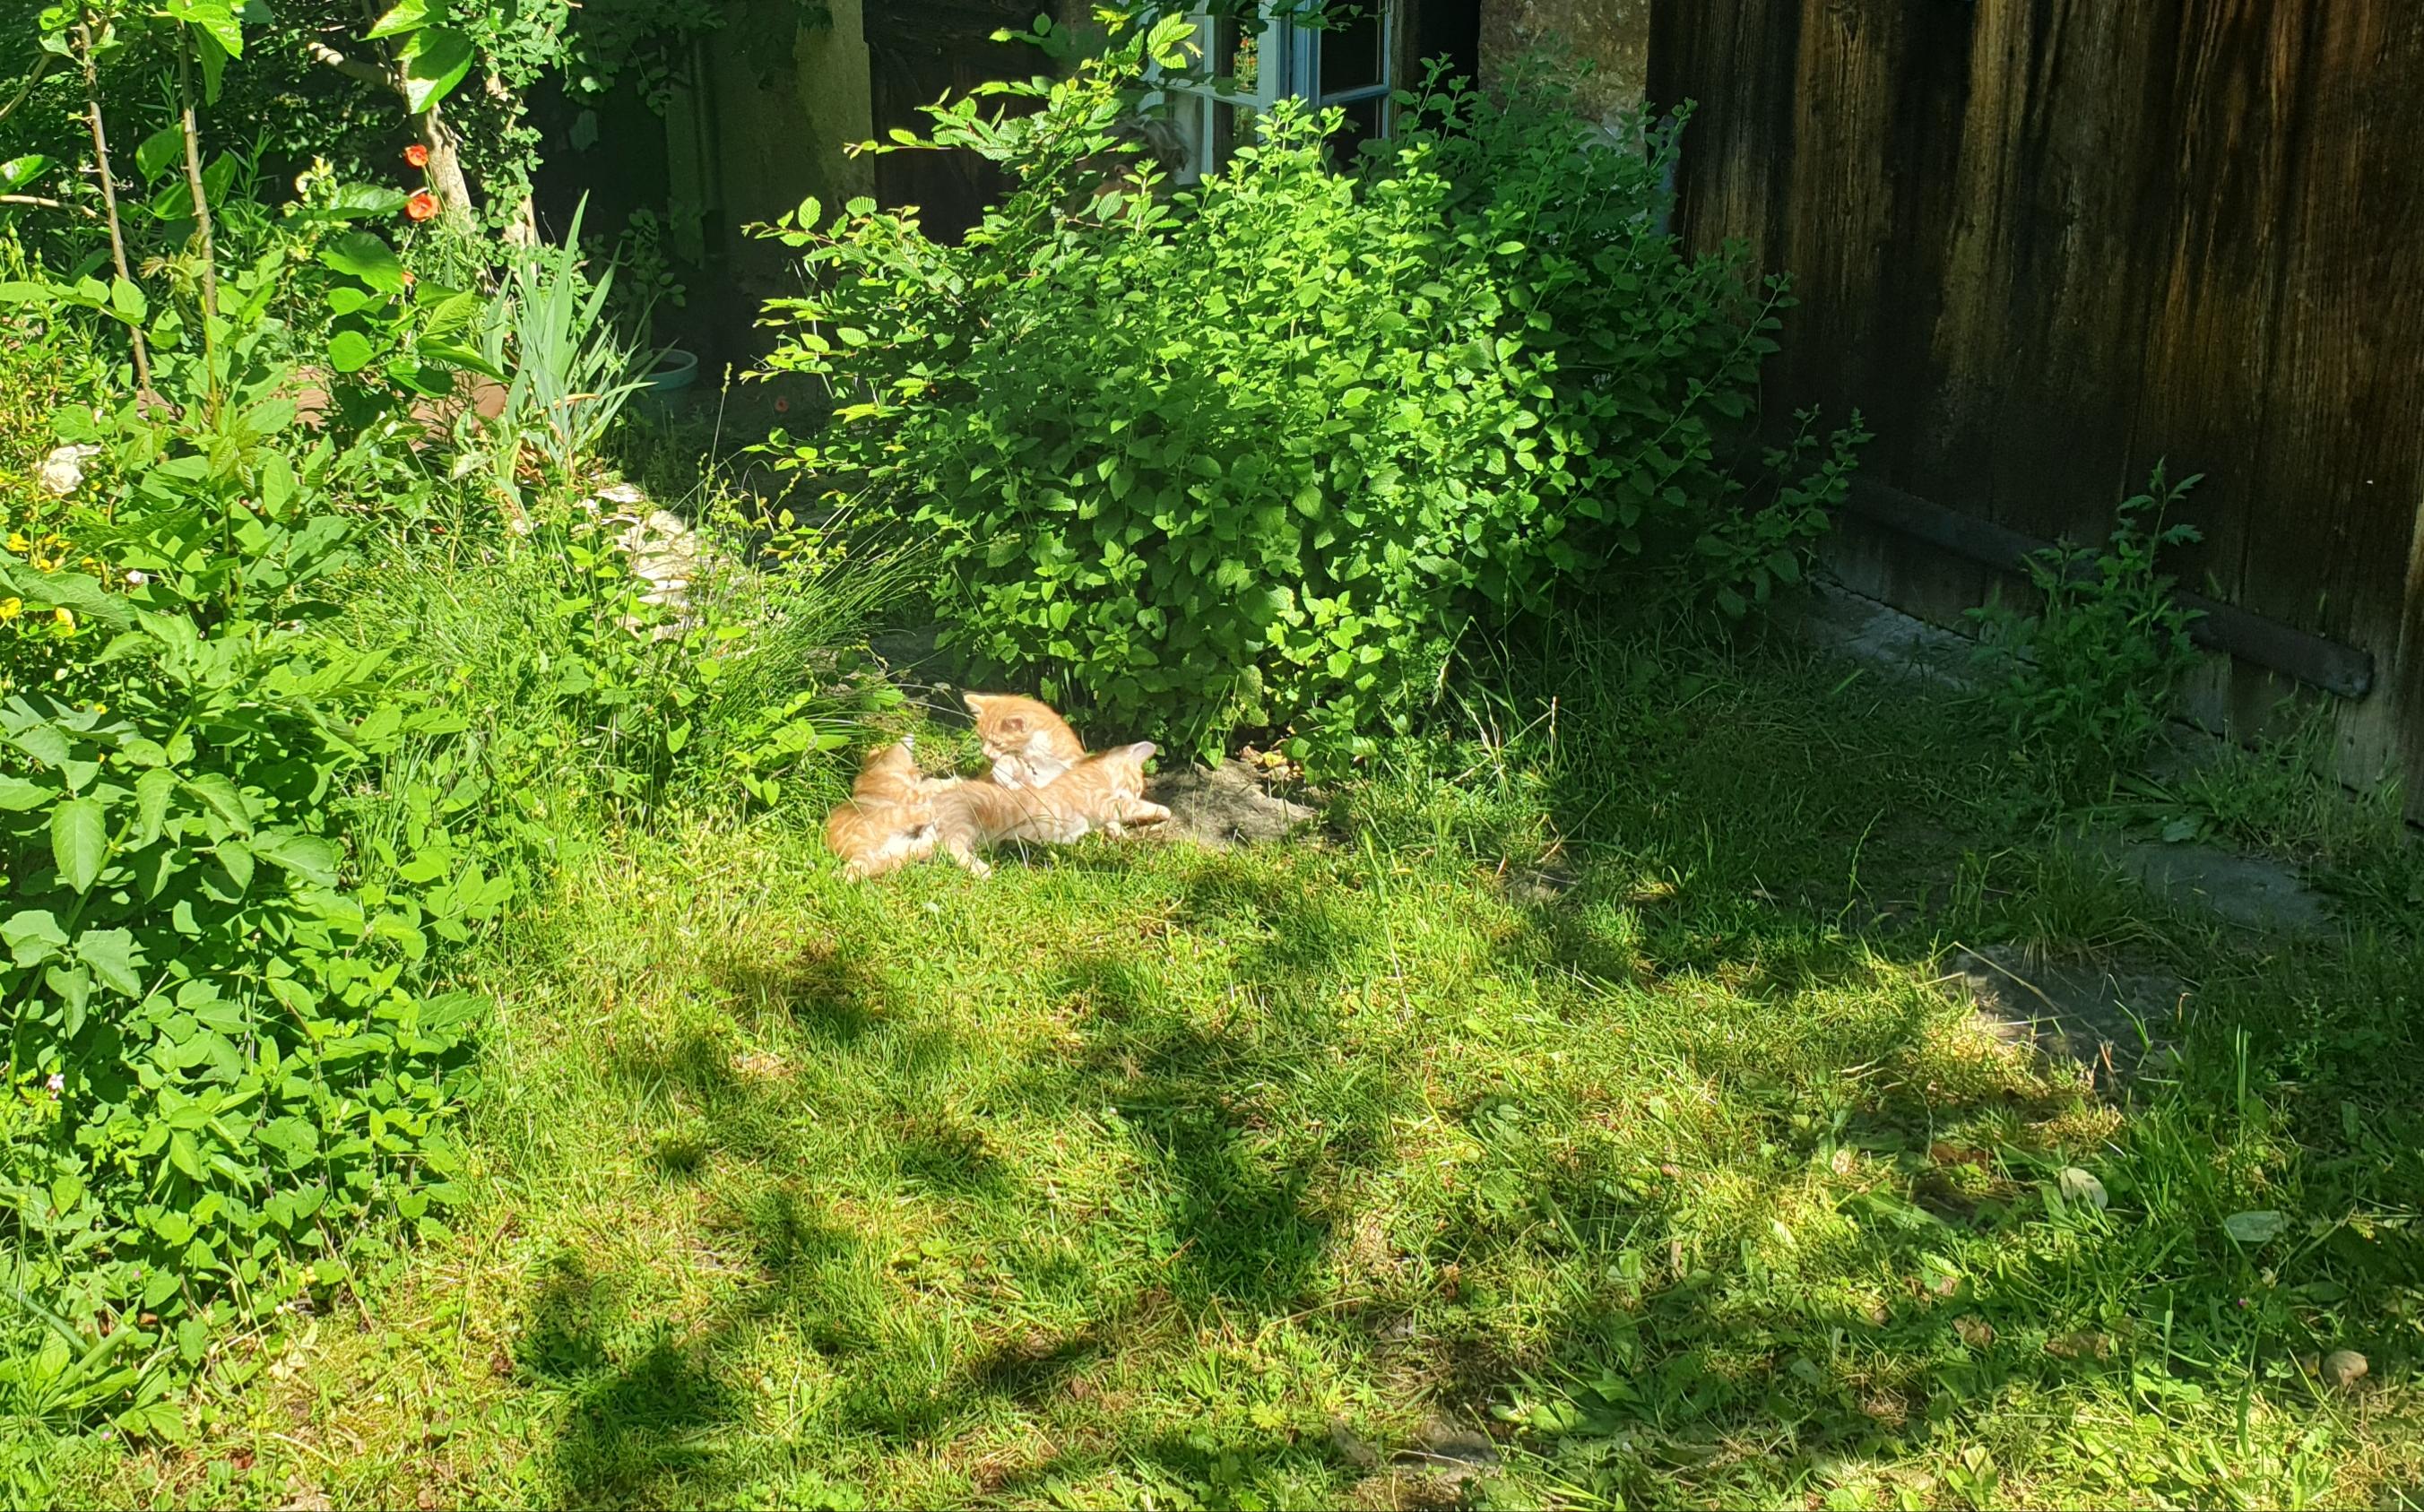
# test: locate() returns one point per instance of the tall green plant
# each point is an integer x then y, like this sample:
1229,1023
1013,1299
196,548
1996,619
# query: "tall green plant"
573,373
1257,452
2089,679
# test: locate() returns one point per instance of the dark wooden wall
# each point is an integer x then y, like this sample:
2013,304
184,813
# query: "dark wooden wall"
920,51
2043,243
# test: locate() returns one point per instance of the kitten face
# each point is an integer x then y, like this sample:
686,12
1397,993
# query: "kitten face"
1031,745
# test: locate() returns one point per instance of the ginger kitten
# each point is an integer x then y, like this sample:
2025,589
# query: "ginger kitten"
1029,744
1101,792
888,820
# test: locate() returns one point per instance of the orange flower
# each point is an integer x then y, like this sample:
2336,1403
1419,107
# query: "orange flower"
420,206
417,155
406,276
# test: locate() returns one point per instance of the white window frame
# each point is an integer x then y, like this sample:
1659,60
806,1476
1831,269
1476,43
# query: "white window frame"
1288,65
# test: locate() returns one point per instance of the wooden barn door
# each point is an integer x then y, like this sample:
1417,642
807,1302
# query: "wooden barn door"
917,51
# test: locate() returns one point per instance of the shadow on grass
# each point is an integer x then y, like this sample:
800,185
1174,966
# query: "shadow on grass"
638,1408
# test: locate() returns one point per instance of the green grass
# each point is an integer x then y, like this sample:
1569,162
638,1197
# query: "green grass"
1588,1079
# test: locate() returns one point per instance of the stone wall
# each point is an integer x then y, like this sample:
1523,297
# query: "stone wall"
1612,37
789,92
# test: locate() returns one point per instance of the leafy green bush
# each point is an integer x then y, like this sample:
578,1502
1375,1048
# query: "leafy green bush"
229,1058
226,1054
2088,682
1257,453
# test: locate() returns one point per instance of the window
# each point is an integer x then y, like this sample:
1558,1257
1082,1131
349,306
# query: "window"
1348,62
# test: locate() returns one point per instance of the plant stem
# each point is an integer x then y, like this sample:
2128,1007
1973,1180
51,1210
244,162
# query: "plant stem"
108,186
24,91
206,247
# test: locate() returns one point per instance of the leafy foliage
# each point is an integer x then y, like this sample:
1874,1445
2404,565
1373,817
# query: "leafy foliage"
288,715
1257,453
2089,679
226,1053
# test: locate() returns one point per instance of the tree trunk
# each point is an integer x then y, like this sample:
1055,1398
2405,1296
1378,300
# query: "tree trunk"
445,170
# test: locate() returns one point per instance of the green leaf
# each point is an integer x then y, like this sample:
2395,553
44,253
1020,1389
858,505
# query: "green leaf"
33,936
79,841
114,958
156,152
20,171
2257,1227
355,201
46,743
367,258
184,1155
307,856
77,594
213,19
435,60
216,789
17,795
73,987
153,791
235,859
213,54
350,351
406,18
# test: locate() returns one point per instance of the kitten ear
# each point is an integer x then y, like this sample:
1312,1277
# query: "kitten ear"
1142,750
976,702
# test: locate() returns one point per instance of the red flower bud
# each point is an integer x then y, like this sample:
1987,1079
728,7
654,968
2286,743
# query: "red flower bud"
417,155
420,206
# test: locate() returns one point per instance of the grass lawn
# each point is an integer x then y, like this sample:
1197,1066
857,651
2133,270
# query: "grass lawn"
1580,1117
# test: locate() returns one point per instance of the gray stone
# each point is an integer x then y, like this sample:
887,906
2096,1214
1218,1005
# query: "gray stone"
1222,806
2247,891
1874,634
2110,1020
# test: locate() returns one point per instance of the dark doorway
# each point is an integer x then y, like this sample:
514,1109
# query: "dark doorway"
917,51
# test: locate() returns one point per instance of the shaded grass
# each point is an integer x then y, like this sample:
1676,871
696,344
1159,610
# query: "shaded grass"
1592,1081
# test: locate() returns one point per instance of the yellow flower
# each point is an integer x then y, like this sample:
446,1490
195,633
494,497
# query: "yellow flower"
10,609
64,620
17,543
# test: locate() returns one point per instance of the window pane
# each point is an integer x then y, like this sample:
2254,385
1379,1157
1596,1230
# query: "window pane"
1352,50
1238,55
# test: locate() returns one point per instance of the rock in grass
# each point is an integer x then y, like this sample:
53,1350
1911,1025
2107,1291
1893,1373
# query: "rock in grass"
1456,1454
2081,1186
2343,1368
1351,1447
